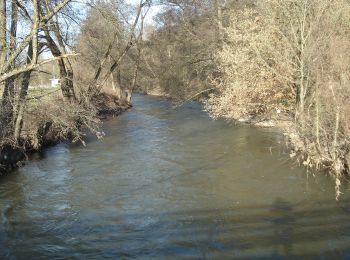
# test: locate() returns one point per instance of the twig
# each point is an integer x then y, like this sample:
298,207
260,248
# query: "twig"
194,96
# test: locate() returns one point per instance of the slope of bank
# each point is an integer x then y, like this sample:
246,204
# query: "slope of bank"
55,121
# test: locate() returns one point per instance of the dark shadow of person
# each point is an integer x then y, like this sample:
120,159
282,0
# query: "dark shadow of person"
283,223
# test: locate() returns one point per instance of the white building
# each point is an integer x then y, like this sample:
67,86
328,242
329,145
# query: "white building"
55,82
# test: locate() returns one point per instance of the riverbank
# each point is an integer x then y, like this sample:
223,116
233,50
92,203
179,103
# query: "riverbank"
303,146
302,149
49,125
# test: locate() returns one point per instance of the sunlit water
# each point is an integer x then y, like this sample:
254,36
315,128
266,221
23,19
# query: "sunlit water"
168,183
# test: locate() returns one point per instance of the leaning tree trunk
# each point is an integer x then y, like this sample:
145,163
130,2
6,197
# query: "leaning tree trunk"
123,53
67,81
130,90
66,73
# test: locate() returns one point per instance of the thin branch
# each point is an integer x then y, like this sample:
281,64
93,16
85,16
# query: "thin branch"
194,96
28,67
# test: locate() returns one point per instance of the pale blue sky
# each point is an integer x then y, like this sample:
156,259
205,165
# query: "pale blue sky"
152,12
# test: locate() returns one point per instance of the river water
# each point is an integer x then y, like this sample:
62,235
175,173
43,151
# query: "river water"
167,184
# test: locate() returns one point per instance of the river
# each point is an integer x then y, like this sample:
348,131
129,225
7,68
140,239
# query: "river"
167,184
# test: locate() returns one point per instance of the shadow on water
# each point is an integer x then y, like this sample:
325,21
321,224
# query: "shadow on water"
279,231
247,233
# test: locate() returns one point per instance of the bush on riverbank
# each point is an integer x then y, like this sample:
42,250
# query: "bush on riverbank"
49,119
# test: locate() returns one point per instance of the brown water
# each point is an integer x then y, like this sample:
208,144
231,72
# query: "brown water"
171,184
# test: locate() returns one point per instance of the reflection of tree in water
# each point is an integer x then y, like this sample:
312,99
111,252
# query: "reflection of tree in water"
283,222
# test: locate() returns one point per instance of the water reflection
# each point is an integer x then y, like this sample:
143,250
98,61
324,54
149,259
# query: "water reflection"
170,183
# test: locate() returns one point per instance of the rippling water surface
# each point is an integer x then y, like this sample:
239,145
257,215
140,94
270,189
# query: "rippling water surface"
168,183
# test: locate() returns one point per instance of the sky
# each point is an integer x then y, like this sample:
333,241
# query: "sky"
152,12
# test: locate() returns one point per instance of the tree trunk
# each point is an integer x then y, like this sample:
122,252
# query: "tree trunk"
32,57
23,96
218,14
69,74
66,73
66,82
117,62
116,84
8,97
137,64
130,90
113,83
3,39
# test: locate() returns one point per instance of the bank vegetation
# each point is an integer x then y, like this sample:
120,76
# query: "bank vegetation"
86,44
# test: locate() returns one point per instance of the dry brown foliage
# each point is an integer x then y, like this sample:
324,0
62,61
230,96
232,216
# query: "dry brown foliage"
292,56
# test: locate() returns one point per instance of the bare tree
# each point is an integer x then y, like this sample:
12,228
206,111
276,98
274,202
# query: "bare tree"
139,47
127,47
12,68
